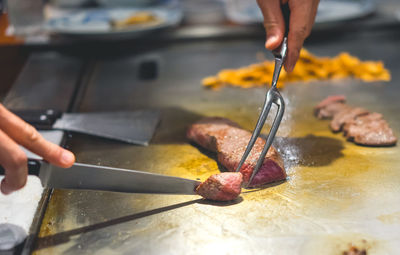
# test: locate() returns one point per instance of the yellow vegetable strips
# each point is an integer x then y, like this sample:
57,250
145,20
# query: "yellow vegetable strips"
138,18
308,68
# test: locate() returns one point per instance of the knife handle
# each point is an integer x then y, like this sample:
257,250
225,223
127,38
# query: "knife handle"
40,119
33,167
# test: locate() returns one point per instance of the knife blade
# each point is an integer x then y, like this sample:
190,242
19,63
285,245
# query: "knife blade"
136,127
93,177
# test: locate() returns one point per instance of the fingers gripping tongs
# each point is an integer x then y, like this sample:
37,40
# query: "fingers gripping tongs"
272,97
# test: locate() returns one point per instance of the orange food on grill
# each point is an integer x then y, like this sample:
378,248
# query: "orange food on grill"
308,68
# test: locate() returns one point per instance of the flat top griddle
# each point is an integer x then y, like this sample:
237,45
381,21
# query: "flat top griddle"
336,193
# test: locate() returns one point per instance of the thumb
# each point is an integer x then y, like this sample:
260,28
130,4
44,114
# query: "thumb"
273,22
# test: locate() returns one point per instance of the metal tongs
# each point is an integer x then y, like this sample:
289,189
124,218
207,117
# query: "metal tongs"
272,97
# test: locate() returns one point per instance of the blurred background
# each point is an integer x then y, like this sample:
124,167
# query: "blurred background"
64,24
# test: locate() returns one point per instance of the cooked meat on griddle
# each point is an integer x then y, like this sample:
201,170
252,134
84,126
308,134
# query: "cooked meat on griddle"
371,130
344,116
331,100
221,187
229,141
376,135
330,110
208,131
328,107
361,121
357,124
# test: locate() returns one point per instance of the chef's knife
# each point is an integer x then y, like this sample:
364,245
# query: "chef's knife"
136,127
93,177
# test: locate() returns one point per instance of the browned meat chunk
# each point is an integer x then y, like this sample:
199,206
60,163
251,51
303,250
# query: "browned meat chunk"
230,152
221,187
328,107
373,137
371,130
361,120
229,141
208,131
357,124
330,100
331,110
344,116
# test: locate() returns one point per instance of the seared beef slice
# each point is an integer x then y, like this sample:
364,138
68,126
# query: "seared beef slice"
346,115
370,130
330,110
221,187
357,124
229,141
328,107
360,121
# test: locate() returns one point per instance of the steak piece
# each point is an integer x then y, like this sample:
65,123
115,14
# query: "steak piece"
231,150
229,141
221,187
330,100
206,132
357,124
330,110
361,121
328,107
344,116
371,130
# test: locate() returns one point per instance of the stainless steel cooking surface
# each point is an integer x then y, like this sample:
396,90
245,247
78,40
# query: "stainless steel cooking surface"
337,193
43,76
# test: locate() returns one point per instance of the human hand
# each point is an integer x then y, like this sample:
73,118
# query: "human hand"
302,16
13,132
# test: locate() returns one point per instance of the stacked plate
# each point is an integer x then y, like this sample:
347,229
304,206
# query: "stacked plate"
98,22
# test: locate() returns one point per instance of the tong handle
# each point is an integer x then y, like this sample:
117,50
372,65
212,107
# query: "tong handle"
281,51
286,17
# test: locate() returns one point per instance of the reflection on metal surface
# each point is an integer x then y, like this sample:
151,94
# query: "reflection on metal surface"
309,150
337,193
